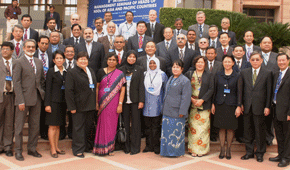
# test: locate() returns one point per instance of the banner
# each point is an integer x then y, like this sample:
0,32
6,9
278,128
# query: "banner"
118,8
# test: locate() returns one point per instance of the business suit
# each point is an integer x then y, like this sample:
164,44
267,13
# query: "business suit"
106,43
49,54
32,35
55,16
74,64
217,44
71,41
96,57
47,33
195,27
180,32
195,44
255,48
158,32
220,53
21,52
272,63
133,44
142,61
255,98
217,67
29,90
66,32
80,97
161,48
232,35
6,109
244,65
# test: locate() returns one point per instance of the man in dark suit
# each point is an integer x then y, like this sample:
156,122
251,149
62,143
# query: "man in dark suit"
166,45
191,43
201,29
95,50
6,98
225,23
202,46
249,45
108,40
52,14
28,80
256,101
225,49
67,31
280,107
54,42
76,31
180,52
29,33
178,25
51,24
213,36
154,29
17,32
139,40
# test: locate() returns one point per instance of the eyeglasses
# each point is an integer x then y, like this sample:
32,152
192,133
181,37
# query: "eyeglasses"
119,42
180,38
5,49
255,59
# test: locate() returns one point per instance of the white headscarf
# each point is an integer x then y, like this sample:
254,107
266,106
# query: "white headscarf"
153,78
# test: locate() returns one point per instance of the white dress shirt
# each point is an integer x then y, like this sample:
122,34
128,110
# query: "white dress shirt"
45,57
72,65
208,63
127,30
89,47
97,35
189,45
257,71
29,58
28,33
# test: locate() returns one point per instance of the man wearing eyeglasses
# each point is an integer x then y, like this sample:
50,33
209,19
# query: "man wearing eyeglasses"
203,44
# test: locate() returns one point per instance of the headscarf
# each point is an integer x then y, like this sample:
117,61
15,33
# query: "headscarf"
130,67
153,78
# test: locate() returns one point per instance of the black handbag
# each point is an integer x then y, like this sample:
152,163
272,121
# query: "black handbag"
121,133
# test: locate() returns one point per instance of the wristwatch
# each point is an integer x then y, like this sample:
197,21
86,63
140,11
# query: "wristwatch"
120,103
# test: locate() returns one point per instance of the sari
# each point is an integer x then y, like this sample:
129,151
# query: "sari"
108,116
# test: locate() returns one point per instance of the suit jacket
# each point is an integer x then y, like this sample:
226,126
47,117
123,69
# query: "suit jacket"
106,43
71,41
142,61
195,45
161,48
96,57
282,97
60,47
189,56
232,35
244,65
255,48
220,53
74,62
49,53
78,94
196,29
182,32
32,33
177,97
217,67
258,96
158,32
66,32
27,83
47,33
54,83
134,45
55,16
123,58
217,45
3,74
21,52
272,63
206,89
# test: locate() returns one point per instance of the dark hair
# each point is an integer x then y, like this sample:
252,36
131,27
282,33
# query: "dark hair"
178,62
256,53
52,6
248,31
190,30
8,44
238,46
131,52
42,36
211,26
112,54
58,52
142,22
223,34
151,42
49,19
178,19
98,18
197,58
281,54
209,48
108,12
266,36
68,46
72,27
82,54
26,16
129,12
232,57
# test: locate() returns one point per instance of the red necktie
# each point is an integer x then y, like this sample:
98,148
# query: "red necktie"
225,51
17,49
119,57
44,64
51,15
25,35
140,41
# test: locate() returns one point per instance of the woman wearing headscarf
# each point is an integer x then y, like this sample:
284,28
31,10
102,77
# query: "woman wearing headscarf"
154,82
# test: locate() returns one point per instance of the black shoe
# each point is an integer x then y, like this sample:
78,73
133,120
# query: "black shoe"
283,163
213,139
126,152
222,153
147,149
241,140
133,153
228,154
2,151
260,158
246,157
19,156
54,155
35,154
9,153
80,156
275,159
269,143
45,137
157,151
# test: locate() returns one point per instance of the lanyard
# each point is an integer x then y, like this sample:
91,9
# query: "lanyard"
151,80
130,26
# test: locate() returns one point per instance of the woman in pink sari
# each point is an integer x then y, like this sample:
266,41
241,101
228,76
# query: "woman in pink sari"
110,92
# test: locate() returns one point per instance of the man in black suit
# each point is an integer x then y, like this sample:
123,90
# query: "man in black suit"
225,23
213,36
225,49
280,107
139,40
95,50
54,42
180,52
52,14
69,53
191,37
154,29
76,30
202,46
256,101
249,45
166,45
29,33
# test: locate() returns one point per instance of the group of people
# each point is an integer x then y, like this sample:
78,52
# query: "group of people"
154,77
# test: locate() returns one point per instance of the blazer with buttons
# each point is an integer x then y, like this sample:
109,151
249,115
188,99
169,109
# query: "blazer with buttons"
134,45
158,33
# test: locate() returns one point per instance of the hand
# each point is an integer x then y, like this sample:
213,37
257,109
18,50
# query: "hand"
140,105
119,109
21,107
199,102
73,111
97,106
213,109
242,108
193,101
266,111
181,116
48,109
8,18
288,118
238,111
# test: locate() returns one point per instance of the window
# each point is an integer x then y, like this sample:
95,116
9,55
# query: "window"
263,15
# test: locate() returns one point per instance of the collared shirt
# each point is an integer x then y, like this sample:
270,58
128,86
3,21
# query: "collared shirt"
215,41
27,33
176,30
267,57
241,60
189,45
121,52
283,73
142,37
15,42
89,75
113,38
169,42
29,59
56,69
79,39
183,50
154,24
45,57
54,48
98,35
208,63
127,30
202,52
89,47
12,12
257,71
225,30
202,25
71,64
10,65
227,48
251,47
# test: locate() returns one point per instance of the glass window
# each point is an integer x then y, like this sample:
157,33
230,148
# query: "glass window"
262,15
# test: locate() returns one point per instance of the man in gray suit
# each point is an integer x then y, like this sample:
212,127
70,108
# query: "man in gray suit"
178,25
213,34
51,24
17,32
249,45
191,40
28,80
54,42
6,98
166,45
225,49
201,29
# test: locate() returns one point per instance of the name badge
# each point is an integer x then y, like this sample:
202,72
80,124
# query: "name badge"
107,89
140,50
151,89
276,90
128,78
45,69
127,33
111,50
14,13
62,87
198,89
92,86
227,91
8,78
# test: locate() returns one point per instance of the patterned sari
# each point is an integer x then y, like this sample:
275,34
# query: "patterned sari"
108,116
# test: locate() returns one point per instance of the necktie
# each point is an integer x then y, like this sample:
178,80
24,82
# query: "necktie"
44,64
265,56
119,57
213,44
51,15
210,67
191,46
254,77
248,54
152,29
200,29
17,49
167,45
277,85
77,41
181,55
111,42
225,51
177,32
239,66
8,83
69,65
25,35
140,41
32,65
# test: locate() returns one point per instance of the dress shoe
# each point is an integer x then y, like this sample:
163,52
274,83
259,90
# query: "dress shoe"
2,151
222,153
54,155
126,152
283,163
269,143
260,158
213,139
35,154
62,152
80,155
241,140
228,154
9,153
157,151
133,153
19,156
246,157
275,159
147,149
